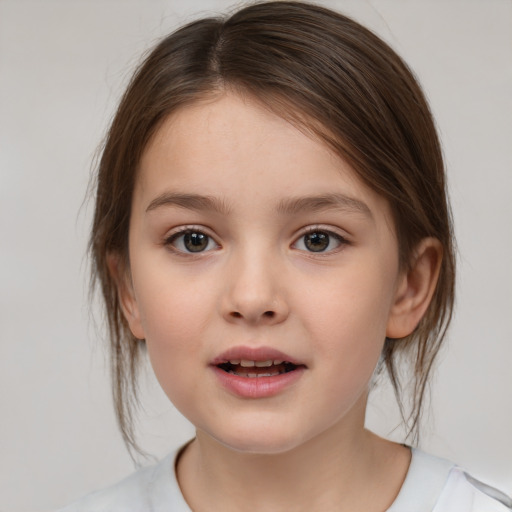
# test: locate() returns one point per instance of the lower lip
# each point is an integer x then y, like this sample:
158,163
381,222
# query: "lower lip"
257,387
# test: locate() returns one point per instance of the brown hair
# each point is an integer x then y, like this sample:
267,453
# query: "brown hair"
328,75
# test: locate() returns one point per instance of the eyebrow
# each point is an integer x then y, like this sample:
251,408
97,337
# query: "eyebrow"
288,206
189,201
323,202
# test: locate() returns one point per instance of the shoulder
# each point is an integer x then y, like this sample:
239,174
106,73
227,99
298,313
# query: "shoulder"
433,484
465,493
151,489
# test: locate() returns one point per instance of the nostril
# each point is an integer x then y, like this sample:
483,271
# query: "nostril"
266,314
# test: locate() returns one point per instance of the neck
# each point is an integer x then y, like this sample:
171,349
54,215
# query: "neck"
330,472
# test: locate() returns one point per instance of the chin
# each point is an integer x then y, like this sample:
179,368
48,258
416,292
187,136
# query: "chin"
259,440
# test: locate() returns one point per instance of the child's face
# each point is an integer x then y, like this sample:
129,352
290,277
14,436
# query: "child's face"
286,255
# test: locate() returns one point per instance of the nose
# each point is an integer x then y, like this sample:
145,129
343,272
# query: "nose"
254,292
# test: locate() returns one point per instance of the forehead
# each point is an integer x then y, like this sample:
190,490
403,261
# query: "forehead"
233,146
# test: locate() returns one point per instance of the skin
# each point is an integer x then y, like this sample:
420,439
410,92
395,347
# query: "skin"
257,283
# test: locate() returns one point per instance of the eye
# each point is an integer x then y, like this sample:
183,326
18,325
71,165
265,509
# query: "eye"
319,241
191,241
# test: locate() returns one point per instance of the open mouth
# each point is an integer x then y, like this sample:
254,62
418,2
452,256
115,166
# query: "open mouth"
256,369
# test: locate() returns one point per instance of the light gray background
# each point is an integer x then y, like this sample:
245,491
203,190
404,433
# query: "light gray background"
63,65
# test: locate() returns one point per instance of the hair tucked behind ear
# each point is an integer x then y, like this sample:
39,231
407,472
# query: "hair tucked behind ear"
326,74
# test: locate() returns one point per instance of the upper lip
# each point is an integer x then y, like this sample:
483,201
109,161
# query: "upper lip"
254,354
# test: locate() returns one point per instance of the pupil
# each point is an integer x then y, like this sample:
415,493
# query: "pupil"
195,242
317,241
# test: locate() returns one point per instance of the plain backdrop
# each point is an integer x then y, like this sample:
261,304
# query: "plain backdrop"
63,65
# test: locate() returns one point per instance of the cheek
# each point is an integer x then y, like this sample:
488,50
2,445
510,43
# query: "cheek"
172,305
174,313
347,316
348,332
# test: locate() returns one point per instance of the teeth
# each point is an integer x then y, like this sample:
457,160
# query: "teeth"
245,363
263,364
256,375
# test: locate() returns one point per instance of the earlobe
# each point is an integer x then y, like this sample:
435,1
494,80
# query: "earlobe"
126,295
415,289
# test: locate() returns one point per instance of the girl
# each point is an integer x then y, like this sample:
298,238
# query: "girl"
272,225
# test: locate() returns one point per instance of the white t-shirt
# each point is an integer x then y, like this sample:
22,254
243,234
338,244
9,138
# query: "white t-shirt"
431,485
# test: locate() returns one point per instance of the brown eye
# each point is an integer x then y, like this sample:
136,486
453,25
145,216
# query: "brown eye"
317,241
195,242
191,241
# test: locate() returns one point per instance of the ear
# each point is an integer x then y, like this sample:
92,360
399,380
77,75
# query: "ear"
127,300
415,289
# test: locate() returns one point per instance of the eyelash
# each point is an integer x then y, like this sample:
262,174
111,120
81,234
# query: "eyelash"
182,232
340,240
193,230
